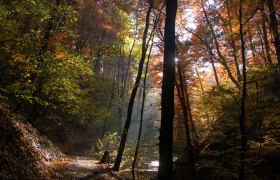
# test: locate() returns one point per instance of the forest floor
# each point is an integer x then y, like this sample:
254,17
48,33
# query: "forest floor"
74,167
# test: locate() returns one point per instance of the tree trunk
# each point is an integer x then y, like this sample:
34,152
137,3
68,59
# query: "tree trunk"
274,28
268,57
215,72
252,46
209,123
134,92
242,117
141,113
200,82
167,96
186,111
262,53
233,45
120,79
108,109
185,90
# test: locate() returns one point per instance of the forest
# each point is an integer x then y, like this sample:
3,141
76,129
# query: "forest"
140,89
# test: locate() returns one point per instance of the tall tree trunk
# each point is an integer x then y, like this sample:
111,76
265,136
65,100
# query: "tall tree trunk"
185,90
124,84
108,109
120,89
252,46
186,111
209,123
142,112
200,82
215,71
134,91
274,28
262,53
124,73
264,30
97,64
242,117
232,43
167,97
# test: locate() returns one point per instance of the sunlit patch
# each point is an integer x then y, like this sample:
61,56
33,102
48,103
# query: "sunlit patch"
155,163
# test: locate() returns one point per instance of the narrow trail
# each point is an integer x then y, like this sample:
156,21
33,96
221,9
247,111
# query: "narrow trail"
74,167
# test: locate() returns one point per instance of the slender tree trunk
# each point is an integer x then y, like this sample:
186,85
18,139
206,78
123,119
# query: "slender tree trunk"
200,82
252,46
142,112
233,45
262,53
119,88
127,68
185,108
266,44
124,79
134,91
185,90
108,109
260,113
215,72
167,97
209,123
274,28
242,118
97,61
124,83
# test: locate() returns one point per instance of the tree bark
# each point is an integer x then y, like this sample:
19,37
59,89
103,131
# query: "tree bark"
242,117
232,43
142,112
167,97
108,109
274,28
186,112
134,91
262,53
215,71
251,40
266,44
209,123
185,90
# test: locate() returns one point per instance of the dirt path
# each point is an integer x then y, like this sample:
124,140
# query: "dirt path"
80,168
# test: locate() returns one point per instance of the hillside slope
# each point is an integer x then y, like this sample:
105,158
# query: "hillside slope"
25,153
